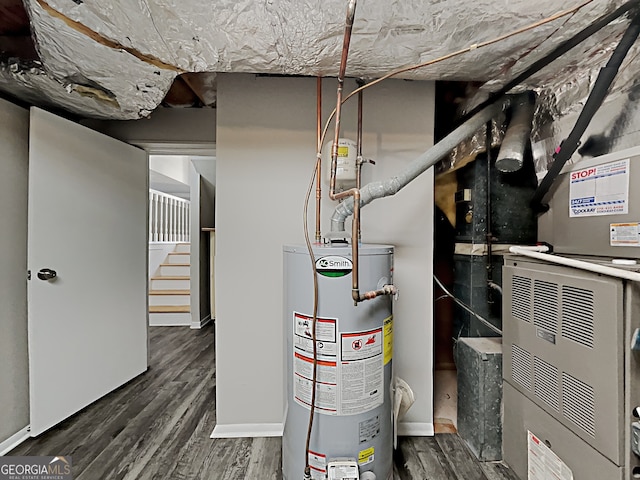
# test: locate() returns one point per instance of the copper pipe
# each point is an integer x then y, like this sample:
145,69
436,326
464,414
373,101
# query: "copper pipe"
359,151
351,12
352,192
318,157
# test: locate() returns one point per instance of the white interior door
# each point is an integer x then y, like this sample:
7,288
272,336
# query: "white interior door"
88,223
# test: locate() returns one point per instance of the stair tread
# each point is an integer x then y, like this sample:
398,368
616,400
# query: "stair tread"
171,277
169,292
169,308
175,264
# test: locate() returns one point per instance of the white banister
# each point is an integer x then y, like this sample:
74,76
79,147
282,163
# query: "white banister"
168,218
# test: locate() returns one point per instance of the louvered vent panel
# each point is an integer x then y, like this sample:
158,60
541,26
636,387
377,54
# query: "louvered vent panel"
521,298
546,386
578,403
521,367
577,315
545,305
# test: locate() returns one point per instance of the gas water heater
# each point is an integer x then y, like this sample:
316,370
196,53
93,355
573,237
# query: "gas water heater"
353,414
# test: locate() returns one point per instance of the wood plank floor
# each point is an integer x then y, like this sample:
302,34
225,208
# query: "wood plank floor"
157,427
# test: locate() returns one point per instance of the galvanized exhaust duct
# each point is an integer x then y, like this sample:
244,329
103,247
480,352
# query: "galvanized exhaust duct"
511,155
393,185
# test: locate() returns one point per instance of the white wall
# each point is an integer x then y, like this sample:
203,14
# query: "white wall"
165,125
172,166
265,156
14,368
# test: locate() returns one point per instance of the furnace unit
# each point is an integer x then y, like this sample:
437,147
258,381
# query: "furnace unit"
571,376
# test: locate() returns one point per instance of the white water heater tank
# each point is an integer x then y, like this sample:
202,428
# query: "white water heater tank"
353,415
346,170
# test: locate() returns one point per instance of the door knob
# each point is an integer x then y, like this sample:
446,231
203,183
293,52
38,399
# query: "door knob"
47,274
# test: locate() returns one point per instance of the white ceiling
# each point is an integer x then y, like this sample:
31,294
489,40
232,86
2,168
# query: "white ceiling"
117,59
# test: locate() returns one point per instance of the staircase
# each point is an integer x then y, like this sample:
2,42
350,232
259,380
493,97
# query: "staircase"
170,290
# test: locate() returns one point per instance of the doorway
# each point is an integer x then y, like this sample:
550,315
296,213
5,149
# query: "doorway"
182,226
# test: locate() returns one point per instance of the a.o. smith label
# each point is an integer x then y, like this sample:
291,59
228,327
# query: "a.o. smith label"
334,266
35,468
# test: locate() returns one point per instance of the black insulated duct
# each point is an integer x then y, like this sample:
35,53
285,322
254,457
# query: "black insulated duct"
596,97
556,53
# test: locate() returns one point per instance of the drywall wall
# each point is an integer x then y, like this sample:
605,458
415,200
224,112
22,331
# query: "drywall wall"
14,367
197,249
172,166
265,157
164,125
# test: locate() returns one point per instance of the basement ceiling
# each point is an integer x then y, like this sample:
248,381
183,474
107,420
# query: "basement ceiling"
121,59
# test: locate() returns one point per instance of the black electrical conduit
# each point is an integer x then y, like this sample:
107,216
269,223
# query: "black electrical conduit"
554,54
345,208
596,97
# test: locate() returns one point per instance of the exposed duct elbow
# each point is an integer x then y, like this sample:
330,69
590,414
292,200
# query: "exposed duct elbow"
393,185
511,155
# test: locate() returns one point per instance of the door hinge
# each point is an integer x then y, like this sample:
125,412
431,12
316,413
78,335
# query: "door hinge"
28,274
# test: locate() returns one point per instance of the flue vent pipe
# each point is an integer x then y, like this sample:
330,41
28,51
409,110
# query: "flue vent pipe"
511,155
393,185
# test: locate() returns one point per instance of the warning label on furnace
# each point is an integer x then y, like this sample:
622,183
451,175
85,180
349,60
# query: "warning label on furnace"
361,371
600,190
624,234
543,464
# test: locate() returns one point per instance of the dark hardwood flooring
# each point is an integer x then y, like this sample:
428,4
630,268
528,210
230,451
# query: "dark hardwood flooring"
157,427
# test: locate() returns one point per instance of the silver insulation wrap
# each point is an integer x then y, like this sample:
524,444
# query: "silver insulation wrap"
132,50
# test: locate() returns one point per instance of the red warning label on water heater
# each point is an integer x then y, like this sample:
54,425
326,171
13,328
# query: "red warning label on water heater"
349,366
361,345
325,335
361,371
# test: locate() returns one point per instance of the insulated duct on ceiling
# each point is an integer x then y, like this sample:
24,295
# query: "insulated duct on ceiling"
117,59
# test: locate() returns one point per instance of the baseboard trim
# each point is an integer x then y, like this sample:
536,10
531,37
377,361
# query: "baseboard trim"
201,323
14,440
243,430
415,429
169,320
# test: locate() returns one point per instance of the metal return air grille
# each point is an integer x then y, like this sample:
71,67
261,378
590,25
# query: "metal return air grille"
578,403
546,385
521,367
545,305
521,298
577,315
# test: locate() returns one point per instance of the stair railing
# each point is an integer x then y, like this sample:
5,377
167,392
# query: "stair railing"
169,218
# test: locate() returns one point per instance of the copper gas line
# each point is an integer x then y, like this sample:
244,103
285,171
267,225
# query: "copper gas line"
318,156
359,159
352,192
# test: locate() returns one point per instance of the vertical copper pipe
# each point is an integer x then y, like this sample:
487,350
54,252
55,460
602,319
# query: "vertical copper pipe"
318,156
359,154
353,192
351,12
